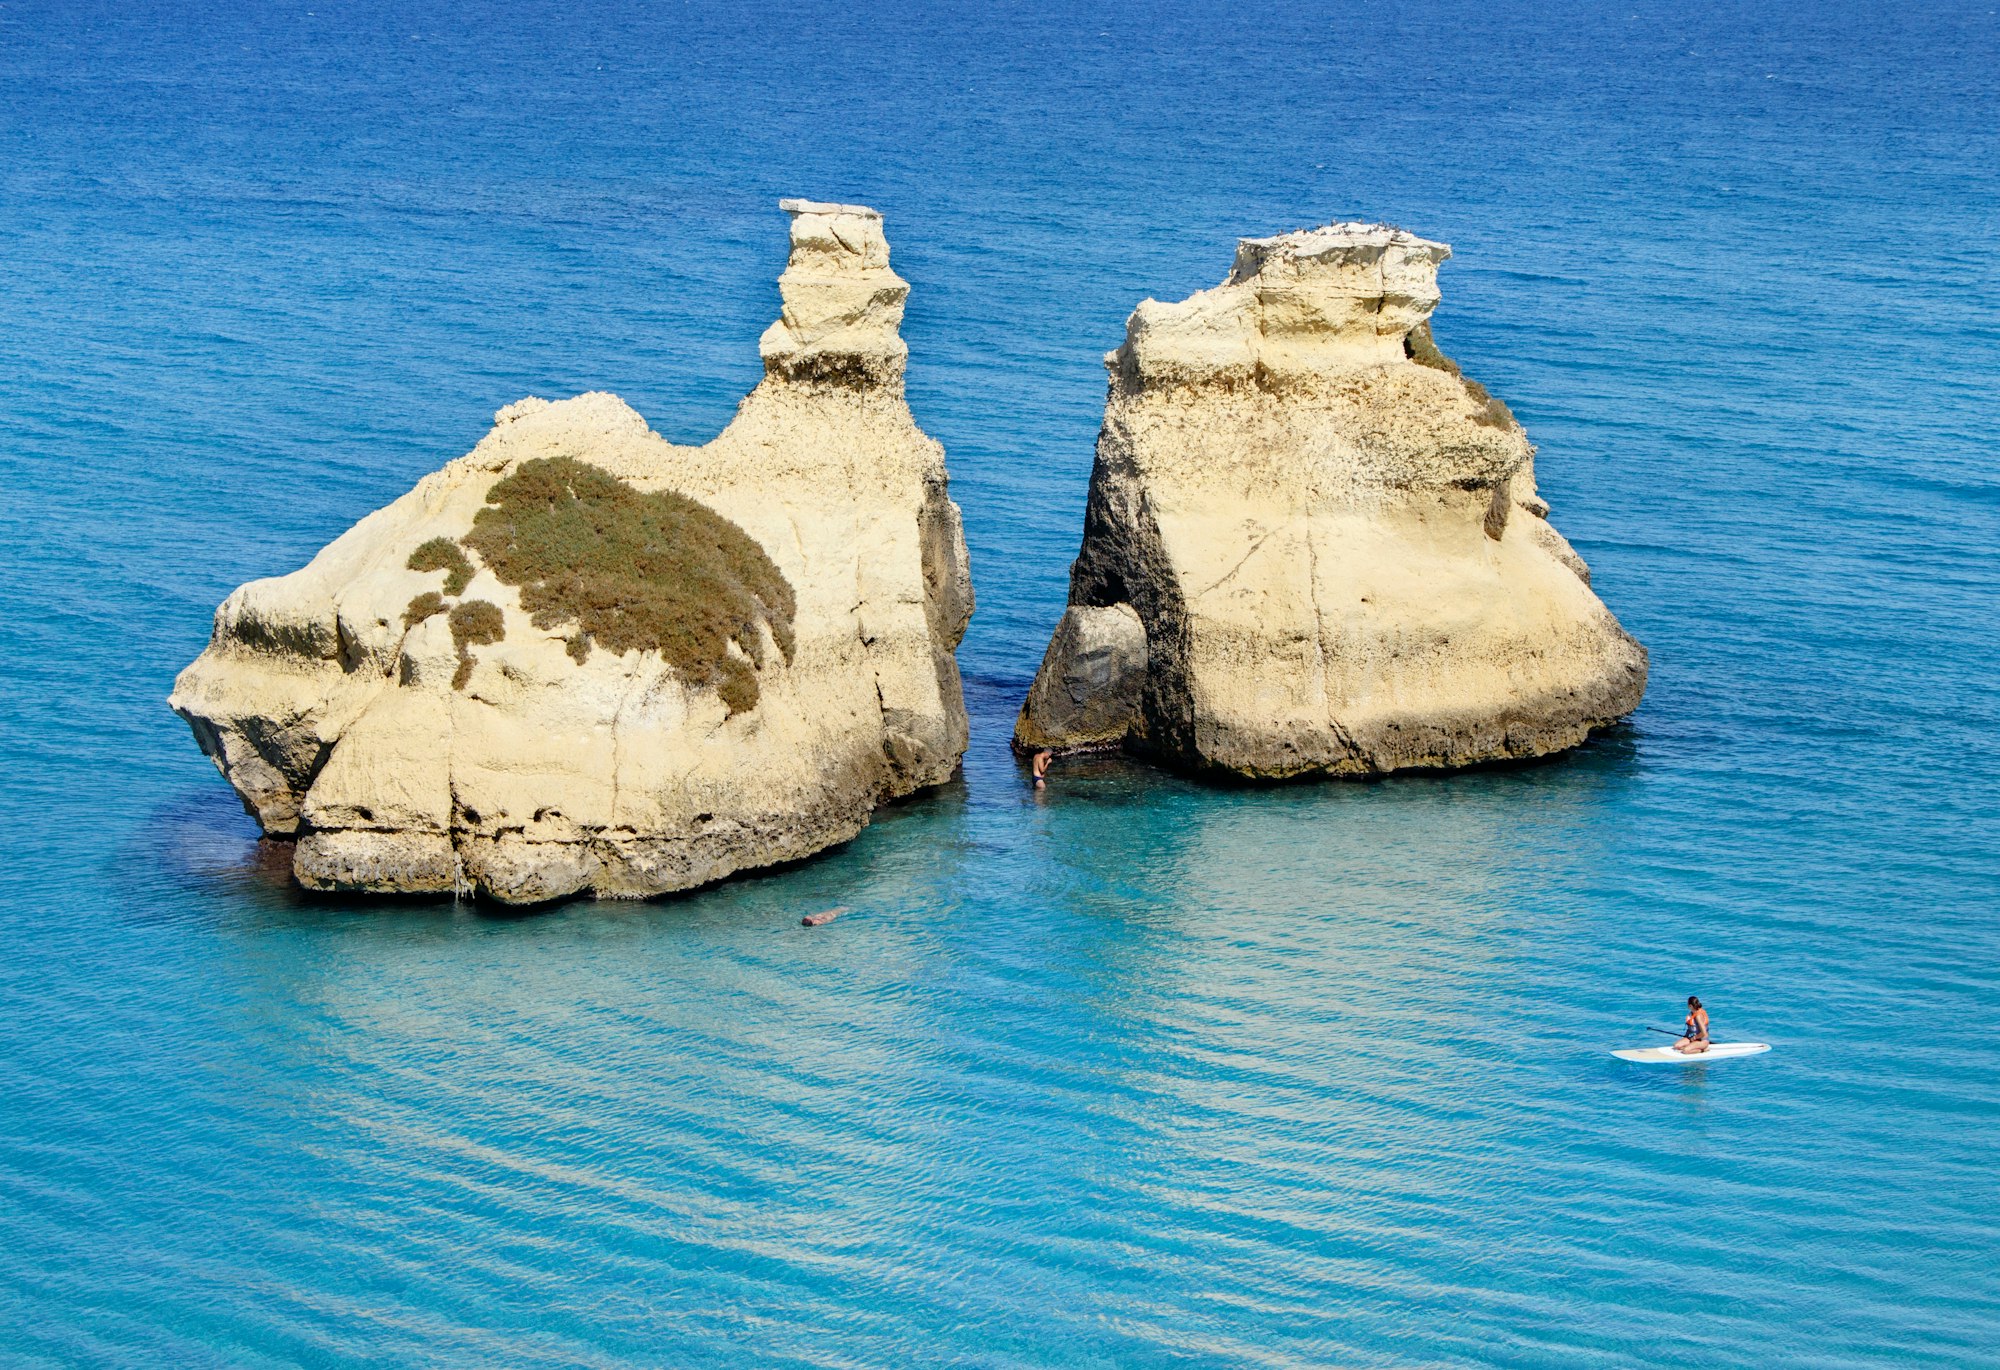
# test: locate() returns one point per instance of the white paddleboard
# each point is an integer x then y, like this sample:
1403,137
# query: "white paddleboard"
1716,1050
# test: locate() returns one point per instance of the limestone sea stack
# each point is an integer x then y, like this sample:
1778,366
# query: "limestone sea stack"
581,658
1312,547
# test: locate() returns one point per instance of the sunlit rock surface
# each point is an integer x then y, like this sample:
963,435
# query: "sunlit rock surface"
424,730
1328,541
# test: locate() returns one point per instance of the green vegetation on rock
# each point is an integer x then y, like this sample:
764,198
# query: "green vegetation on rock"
422,607
1493,411
1420,347
473,623
635,572
442,554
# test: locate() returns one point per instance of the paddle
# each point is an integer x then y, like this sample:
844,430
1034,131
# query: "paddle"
1669,1032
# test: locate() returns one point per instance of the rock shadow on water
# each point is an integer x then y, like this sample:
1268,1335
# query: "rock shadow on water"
1612,749
1113,775
194,854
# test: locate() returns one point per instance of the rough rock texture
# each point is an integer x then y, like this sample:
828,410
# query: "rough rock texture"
421,732
1087,694
1330,542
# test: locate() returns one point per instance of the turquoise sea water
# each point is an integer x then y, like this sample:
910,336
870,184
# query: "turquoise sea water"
1134,1072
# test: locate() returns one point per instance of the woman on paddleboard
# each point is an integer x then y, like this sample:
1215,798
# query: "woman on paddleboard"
1694,1035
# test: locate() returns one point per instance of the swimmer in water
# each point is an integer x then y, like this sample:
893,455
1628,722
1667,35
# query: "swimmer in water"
1042,760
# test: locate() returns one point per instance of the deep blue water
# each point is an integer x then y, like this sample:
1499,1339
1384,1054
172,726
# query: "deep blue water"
1138,1072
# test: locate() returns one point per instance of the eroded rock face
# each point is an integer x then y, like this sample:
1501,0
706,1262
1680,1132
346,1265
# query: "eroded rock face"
1329,540
398,708
1087,693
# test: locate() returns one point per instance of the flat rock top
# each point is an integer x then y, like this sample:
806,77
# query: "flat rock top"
824,207
1311,242
1335,248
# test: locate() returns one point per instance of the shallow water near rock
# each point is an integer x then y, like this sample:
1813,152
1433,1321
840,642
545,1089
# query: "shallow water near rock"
1132,1071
